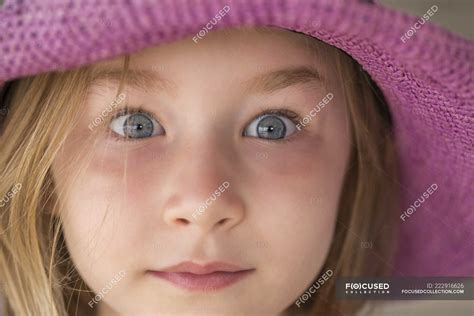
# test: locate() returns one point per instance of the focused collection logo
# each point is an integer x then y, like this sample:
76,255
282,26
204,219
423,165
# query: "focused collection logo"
367,288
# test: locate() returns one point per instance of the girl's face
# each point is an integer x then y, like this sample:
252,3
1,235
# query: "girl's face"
209,165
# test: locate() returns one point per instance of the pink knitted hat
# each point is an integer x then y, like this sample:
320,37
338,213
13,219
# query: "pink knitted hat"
425,73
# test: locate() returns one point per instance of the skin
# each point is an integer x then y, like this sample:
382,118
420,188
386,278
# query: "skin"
127,205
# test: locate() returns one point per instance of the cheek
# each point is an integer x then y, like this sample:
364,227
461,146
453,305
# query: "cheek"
294,213
294,194
98,230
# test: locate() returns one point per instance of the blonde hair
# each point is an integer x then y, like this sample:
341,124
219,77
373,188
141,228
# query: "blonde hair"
39,277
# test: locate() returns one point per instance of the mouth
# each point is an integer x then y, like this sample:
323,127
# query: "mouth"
209,277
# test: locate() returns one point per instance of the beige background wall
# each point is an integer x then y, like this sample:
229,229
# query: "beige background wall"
456,15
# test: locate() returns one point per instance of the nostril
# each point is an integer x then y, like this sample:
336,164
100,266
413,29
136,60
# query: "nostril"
182,221
222,221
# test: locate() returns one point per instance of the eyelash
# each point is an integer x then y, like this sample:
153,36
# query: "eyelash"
127,109
292,116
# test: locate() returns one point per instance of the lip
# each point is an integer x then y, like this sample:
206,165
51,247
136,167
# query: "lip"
208,277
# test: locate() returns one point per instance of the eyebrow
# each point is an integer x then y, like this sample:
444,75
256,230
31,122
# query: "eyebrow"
283,78
269,82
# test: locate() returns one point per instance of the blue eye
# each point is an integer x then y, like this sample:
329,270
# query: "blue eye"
136,125
270,126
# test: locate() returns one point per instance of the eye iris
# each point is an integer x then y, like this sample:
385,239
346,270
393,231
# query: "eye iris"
271,127
138,126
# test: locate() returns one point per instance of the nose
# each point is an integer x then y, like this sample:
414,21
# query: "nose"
202,194
216,211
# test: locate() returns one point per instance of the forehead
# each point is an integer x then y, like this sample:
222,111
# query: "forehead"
257,59
243,49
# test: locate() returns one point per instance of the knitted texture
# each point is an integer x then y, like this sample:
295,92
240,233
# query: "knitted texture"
427,80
